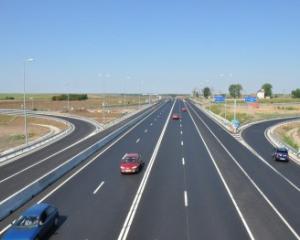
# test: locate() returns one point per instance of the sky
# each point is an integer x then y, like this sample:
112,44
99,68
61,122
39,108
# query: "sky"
149,46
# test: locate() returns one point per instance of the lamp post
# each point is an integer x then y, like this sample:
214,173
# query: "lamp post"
31,98
24,99
140,93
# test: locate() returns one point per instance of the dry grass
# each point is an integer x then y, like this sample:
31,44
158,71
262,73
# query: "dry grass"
290,133
249,113
12,130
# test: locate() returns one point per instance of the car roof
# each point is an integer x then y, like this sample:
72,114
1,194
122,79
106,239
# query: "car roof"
281,149
36,209
136,155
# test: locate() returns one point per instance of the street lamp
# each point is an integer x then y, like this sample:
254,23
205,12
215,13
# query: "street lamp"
24,99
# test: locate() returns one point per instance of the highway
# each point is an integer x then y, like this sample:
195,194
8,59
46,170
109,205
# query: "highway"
18,174
198,182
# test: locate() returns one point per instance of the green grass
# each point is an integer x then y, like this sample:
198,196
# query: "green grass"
290,142
219,110
19,96
279,100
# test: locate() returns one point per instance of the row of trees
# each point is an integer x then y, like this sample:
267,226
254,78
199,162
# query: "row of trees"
296,93
71,97
235,90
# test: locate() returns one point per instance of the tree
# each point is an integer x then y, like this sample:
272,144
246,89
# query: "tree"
268,89
235,90
195,93
206,92
296,93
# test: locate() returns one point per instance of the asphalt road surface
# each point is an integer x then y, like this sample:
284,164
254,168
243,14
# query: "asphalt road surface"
198,182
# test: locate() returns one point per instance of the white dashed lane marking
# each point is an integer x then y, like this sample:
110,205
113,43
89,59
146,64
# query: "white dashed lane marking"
98,188
186,200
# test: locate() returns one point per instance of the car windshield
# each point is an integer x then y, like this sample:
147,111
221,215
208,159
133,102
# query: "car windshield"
282,151
129,160
27,221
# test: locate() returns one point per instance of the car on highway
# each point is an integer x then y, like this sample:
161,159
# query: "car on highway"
281,154
131,163
183,109
175,116
34,224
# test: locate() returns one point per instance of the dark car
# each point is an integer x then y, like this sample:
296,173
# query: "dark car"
35,223
131,163
281,154
175,116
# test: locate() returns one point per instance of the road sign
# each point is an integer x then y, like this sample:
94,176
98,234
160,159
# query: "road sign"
250,99
235,123
219,99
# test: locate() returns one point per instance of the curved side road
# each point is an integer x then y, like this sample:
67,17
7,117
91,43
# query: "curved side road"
255,137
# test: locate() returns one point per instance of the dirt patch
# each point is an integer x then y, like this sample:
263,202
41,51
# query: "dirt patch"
12,130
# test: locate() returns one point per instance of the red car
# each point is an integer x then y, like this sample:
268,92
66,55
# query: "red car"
183,109
175,116
131,163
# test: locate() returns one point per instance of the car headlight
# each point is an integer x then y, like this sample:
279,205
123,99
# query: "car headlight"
134,167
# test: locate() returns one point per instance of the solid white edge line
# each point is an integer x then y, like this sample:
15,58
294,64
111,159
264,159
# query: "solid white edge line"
252,181
186,200
91,161
224,181
98,188
130,216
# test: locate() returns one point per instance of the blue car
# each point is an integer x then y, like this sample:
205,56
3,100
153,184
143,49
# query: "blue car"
35,223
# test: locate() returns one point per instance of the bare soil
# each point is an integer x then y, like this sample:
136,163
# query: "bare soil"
12,130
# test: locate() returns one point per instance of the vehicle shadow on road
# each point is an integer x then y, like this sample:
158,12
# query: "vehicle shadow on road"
53,232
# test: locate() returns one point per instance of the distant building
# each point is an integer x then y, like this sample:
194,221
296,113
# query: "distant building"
260,94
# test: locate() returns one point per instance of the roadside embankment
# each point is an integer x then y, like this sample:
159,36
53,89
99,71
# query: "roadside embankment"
12,129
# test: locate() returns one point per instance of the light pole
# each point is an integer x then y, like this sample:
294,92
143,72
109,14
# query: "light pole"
24,99
31,103
140,93
124,96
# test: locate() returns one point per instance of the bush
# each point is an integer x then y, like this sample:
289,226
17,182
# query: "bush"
296,93
72,97
9,98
